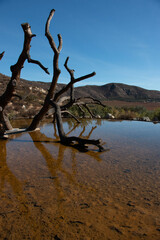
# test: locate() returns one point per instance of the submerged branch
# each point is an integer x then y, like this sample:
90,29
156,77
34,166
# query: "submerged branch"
70,140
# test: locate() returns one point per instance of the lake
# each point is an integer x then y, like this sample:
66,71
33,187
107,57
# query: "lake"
51,191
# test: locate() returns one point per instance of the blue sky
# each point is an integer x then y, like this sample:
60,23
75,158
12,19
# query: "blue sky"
118,39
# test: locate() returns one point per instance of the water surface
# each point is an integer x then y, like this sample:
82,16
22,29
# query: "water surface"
51,191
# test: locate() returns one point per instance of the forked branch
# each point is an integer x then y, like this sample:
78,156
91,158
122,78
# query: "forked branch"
73,80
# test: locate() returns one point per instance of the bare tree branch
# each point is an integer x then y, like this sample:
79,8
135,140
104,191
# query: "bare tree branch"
62,100
36,62
47,33
84,77
1,55
60,42
89,100
69,113
71,71
88,109
81,109
49,37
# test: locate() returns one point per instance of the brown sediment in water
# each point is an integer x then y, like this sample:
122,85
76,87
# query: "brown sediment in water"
51,191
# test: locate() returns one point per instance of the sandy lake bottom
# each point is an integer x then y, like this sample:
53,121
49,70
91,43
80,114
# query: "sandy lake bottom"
51,191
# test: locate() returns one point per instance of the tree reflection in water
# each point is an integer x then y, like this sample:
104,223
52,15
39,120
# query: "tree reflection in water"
56,165
6,176
8,205
19,201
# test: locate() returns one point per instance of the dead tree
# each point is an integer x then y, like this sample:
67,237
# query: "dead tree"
56,74
52,98
10,91
68,101
51,93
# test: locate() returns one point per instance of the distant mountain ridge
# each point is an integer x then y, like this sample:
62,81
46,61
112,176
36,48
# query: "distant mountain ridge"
110,91
119,91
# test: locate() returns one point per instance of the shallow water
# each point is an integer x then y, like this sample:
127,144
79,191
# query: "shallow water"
51,191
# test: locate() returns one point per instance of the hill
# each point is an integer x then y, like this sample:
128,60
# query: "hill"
110,91
119,91
33,94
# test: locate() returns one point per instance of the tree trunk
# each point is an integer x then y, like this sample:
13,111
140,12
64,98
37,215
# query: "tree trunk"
16,69
16,72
